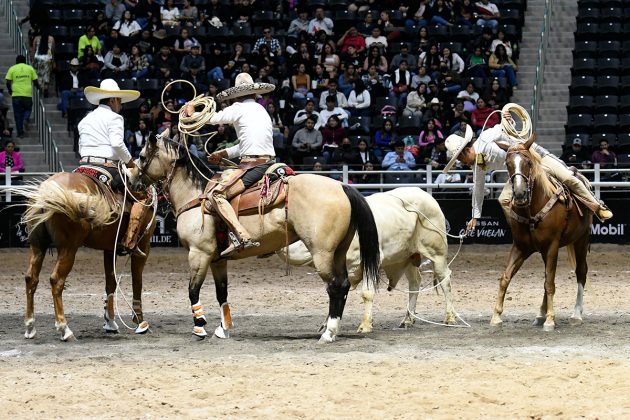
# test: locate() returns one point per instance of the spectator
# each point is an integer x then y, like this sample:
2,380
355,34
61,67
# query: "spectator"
113,38
502,66
299,24
345,154
101,25
385,138
10,158
351,38
576,154
332,135
280,131
145,10
139,138
301,83
90,63
501,40
484,41
197,77
365,27
605,157
477,64
329,59
496,95
169,14
320,23
114,11
424,41
375,58
216,9
488,14
469,96
189,14
403,55
464,11
303,56
138,63
452,61
431,60
416,101
415,13
128,28
320,81
430,134
274,45
365,155
5,130
20,78
456,116
235,62
165,64
89,39
434,154
303,114
43,53
339,97
360,6
347,79
194,58
434,111
359,101
265,58
146,45
421,77
401,83
399,159
332,109
307,141
322,39
184,43
479,116
376,39
352,58
71,84
441,14
116,64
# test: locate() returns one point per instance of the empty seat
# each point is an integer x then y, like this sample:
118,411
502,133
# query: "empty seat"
610,14
606,104
611,49
624,104
582,85
587,31
605,123
511,17
609,66
439,33
74,15
461,33
410,125
610,31
580,104
585,49
65,51
588,14
579,123
584,67
608,85
359,125
624,122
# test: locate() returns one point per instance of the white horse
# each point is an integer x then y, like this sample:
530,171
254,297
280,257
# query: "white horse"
410,226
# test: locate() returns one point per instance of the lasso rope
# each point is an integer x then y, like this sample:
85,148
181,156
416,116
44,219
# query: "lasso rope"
509,127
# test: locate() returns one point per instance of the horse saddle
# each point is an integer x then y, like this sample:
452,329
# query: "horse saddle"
269,192
103,178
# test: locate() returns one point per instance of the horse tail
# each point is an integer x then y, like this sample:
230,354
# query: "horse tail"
571,255
50,198
362,220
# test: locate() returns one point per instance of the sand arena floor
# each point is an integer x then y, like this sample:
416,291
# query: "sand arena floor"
273,367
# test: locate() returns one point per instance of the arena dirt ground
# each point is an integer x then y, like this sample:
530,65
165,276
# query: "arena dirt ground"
273,367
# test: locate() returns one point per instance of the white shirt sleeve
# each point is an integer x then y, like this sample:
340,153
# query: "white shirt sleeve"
116,131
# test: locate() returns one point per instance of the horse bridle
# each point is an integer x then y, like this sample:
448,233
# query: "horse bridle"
528,179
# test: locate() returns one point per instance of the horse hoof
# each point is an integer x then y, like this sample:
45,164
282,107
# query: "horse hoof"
365,329
30,333
326,338
549,327
575,321
69,338
539,321
406,324
450,320
199,333
497,325
197,337
221,332
142,328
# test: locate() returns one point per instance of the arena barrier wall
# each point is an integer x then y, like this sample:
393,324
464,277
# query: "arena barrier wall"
492,228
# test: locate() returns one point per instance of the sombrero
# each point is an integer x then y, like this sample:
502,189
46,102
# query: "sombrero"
244,85
109,89
455,144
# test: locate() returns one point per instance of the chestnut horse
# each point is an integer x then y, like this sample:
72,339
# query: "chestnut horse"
543,218
68,211
321,212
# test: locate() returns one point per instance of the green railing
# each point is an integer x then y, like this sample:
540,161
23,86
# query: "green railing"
540,64
49,146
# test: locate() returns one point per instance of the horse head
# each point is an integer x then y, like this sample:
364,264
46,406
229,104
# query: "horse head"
157,159
520,165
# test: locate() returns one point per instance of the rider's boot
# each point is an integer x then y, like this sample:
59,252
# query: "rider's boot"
134,229
597,206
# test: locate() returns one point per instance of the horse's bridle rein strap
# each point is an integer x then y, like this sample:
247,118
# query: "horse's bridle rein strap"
533,221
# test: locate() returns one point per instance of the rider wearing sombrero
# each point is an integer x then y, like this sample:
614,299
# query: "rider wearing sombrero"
101,143
254,130
485,155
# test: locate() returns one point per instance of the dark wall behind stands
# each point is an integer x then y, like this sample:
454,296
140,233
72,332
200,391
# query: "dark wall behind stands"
491,229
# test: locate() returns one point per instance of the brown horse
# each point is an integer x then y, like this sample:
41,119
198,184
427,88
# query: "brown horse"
323,213
543,218
68,211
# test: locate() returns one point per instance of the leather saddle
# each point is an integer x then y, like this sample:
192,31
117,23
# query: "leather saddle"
103,178
268,193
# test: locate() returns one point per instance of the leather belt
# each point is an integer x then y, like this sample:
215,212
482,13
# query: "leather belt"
94,159
268,157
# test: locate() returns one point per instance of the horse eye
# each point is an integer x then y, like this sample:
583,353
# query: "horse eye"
142,158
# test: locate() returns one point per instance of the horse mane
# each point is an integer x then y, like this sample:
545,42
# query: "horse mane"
195,168
538,174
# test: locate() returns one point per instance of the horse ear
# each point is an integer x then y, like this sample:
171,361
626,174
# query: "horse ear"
152,139
530,141
503,146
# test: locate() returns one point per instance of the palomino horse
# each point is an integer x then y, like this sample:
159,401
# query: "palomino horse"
410,226
68,211
543,218
323,213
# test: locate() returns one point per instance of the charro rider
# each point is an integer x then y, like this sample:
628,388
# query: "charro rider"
486,155
101,134
255,133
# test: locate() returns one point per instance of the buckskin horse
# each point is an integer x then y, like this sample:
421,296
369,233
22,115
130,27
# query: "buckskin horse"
323,213
544,217
410,226
67,211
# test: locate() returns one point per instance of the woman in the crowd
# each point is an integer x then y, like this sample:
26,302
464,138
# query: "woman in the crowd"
10,158
347,79
359,100
501,65
138,63
375,58
329,59
43,54
416,101
301,83
430,133
496,95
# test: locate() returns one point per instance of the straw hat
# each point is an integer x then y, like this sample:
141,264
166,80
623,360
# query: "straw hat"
244,85
109,89
455,144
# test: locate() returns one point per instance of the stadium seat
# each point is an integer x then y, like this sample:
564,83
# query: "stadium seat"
588,14
461,33
624,104
610,31
605,123
610,14
623,141
608,66
579,123
606,104
73,16
410,125
587,31
580,104
582,85
624,123
586,139
584,67
610,49
65,51
359,125
356,139
585,49
511,17
439,33
608,85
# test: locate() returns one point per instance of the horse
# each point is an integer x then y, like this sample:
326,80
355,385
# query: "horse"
410,226
558,221
323,213
67,211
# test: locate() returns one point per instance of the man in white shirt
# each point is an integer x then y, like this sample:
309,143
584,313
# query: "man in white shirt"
101,143
320,23
340,98
303,114
488,14
254,129
377,39
331,110
299,24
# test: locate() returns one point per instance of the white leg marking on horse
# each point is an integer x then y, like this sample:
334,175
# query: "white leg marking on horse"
66,333
30,328
332,328
142,328
576,318
367,295
110,325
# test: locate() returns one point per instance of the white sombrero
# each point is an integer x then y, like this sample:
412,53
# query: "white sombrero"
455,144
244,85
109,89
